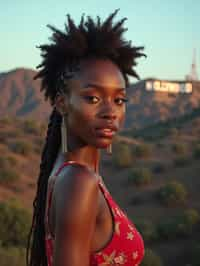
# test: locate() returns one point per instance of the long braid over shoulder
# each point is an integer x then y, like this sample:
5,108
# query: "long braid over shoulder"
51,148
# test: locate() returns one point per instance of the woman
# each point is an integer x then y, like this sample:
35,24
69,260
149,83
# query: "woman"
76,222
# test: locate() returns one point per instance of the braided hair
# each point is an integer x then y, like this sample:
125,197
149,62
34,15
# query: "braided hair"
60,59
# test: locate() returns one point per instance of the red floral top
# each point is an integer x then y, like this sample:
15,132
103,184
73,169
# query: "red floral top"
126,246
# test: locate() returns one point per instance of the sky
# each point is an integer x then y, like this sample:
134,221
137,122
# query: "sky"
169,31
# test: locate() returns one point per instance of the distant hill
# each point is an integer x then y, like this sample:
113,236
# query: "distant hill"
174,157
20,95
146,108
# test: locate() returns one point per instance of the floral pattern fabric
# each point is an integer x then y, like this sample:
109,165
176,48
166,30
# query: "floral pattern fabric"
126,246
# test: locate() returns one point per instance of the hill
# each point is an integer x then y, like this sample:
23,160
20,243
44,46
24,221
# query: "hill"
20,95
172,158
147,107
153,173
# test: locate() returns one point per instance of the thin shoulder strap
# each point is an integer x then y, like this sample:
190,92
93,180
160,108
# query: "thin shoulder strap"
64,164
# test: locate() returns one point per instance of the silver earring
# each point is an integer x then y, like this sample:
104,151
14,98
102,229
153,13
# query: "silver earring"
64,135
109,149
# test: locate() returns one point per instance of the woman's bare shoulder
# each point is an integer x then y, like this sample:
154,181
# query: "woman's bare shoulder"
74,183
75,174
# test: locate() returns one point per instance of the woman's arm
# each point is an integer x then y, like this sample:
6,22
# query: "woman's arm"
76,205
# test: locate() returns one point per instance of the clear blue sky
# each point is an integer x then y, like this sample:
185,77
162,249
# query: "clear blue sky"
169,30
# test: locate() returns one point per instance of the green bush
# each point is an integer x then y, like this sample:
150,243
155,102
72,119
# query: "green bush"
31,126
15,224
179,148
147,229
173,132
196,152
160,144
167,229
10,133
39,144
172,193
3,137
140,176
181,161
142,151
7,161
3,162
159,168
179,226
12,160
12,256
195,255
136,200
43,128
21,147
6,120
8,175
122,156
191,216
151,259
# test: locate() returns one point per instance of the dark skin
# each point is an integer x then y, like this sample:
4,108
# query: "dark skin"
80,218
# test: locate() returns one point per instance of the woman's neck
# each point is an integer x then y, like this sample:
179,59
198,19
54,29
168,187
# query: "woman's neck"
89,156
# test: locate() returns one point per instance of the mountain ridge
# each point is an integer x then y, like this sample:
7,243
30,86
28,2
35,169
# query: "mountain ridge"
21,96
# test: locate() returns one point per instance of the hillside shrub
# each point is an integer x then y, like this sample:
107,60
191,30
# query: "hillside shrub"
11,160
3,137
167,229
140,177
12,133
142,150
6,120
151,259
173,193
12,256
14,225
179,226
7,161
3,162
159,168
179,148
195,255
136,200
31,126
43,128
160,144
191,216
174,132
122,156
147,229
8,175
21,147
196,152
6,135
39,144
181,161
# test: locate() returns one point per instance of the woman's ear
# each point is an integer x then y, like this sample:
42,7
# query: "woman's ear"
61,104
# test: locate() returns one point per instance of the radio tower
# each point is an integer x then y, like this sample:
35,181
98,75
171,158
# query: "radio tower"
193,73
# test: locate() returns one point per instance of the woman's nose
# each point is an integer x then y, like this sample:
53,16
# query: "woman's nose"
108,111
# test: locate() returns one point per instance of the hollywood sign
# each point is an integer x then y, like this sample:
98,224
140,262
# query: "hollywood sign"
169,86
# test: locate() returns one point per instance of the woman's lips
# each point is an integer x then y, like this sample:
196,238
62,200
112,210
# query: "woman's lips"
105,132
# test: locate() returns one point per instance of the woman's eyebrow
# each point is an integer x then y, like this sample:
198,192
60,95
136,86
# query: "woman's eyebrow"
99,87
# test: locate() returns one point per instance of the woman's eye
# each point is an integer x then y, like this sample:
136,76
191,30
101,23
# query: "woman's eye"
121,101
91,99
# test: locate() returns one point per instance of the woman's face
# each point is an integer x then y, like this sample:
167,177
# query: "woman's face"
96,100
